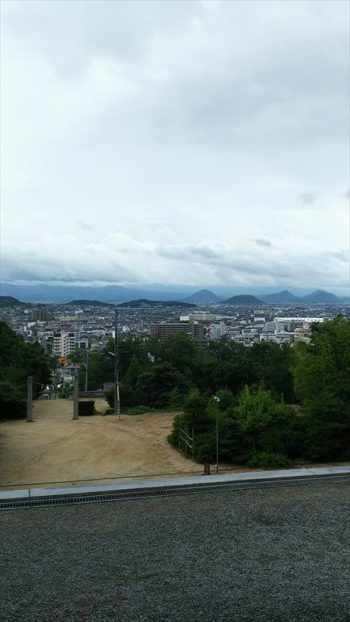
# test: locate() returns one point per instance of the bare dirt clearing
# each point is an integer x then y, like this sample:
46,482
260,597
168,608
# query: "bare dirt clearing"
56,449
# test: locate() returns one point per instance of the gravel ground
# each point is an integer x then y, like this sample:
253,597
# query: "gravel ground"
256,555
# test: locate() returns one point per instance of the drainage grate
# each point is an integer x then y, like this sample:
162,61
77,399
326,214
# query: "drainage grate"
155,493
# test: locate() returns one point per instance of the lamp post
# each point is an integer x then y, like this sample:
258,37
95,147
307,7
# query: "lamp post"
217,400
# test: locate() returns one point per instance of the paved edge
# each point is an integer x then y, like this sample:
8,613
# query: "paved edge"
174,482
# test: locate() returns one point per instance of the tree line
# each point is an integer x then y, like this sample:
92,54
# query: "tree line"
161,372
258,423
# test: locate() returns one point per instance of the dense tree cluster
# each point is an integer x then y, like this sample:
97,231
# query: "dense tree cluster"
322,384
256,426
162,372
256,387
18,360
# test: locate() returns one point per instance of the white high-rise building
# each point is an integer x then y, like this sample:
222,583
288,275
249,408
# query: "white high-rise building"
63,343
217,330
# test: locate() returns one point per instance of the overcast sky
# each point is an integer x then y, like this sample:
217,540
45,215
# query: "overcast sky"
176,142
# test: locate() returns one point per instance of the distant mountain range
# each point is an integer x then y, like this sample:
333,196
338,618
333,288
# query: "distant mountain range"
142,303
65,293
9,301
204,296
115,294
88,303
243,300
280,297
317,297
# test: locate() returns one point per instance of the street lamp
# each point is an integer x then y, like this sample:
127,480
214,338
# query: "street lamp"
217,400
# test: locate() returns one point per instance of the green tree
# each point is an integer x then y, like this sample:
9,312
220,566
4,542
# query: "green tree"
178,350
232,368
18,360
195,412
154,386
255,410
11,348
134,370
128,347
12,401
267,426
322,373
273,367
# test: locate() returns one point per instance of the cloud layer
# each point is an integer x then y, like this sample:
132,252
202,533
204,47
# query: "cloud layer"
198,142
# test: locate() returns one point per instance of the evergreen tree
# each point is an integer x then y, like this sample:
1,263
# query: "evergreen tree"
322,383
18,360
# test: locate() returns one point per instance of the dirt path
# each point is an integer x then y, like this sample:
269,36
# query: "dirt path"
57,449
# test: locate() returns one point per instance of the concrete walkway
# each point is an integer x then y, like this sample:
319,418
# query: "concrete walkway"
174,482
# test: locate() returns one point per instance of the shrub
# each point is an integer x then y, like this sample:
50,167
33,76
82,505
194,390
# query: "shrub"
264,459
139,410
173,437
109,396
205,448
12,404
86,408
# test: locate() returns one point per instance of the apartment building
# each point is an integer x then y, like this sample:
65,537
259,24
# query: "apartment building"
193,329
63,343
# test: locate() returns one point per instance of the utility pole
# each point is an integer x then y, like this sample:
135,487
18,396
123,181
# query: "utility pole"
86,369
30,398
76,396
116,367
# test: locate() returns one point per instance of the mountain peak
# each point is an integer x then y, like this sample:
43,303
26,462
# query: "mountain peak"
320,296
280,297
203,296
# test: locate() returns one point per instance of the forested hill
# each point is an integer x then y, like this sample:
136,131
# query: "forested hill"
10,301
204,296
245,299
89,303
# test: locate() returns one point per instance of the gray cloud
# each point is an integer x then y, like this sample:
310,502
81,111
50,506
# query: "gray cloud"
107,262
165,134
84,225
262,241
309,198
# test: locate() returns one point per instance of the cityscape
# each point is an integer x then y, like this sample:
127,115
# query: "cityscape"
175,311
62,328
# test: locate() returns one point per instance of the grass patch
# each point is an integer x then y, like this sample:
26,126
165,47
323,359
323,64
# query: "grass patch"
134,410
